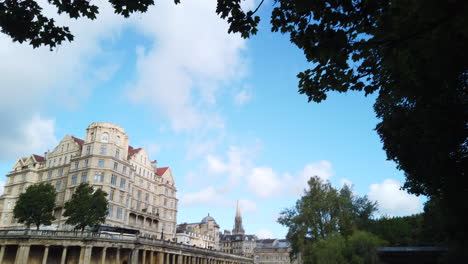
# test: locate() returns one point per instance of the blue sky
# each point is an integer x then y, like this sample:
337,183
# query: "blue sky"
223,112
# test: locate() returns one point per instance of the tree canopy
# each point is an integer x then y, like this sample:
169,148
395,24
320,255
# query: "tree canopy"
36,205
86,207
324,212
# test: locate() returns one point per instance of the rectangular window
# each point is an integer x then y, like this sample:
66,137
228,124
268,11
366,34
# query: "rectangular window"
58,185
77,165
88,150
50,163
121,198
84,176
111,209
165,202
117,154
116,165
101,163
60,161
86,163
74,178
146,197
99,176
103,150
114,179
139,194
124,170
49,174
119,213
127,201
122,183
111,195
138,205
65,160
60,172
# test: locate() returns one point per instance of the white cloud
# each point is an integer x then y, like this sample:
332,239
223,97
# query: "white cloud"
35,79
2,187
248,206
264,182
191,54
208,196
344,182
33,136
392,200
264,234
242,97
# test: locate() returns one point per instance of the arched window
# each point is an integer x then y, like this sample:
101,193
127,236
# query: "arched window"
105,137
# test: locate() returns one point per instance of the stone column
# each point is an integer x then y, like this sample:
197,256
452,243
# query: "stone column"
143,257
46,254
22,254
134,257
2,252
179,259
87,254
167,260
103,255
151,257
64,255
173,259
117,257
160,258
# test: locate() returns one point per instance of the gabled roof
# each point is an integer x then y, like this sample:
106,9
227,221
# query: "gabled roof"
79,141
38,158
132,151
161,171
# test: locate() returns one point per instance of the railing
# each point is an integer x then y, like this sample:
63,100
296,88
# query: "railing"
60,234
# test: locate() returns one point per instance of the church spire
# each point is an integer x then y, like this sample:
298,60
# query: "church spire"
238,229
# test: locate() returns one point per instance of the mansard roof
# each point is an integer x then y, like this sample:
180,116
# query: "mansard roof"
38,158
79,141
161,171
132,151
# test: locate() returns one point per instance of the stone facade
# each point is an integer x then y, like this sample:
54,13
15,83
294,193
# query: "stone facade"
141,195
273,251
204,234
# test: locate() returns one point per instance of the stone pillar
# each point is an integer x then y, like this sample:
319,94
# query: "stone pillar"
173,259
117,257
160,258
22,254
167,260
103,255
2,253
143,257
151,257
87,254
134,257
64,255
179,259
46,254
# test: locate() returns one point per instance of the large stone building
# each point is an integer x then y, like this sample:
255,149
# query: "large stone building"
273,251
141,194
238,242
204,234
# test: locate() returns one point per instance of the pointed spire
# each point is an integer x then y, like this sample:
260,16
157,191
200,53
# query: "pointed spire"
238,228
238,214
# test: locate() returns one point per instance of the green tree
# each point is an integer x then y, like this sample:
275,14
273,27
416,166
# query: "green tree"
321,212
36,205
87,207
358,248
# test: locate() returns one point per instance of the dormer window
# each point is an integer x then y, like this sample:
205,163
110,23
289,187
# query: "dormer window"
105,137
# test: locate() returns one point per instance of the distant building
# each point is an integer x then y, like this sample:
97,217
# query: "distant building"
204,234
238,242
273,251
141,195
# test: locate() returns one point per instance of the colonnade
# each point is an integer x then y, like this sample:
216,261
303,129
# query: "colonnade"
101,254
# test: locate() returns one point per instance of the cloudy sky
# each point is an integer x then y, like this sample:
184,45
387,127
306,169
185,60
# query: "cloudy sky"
223,112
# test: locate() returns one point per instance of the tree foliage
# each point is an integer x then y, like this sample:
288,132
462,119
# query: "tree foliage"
86,207
36,205
322,212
